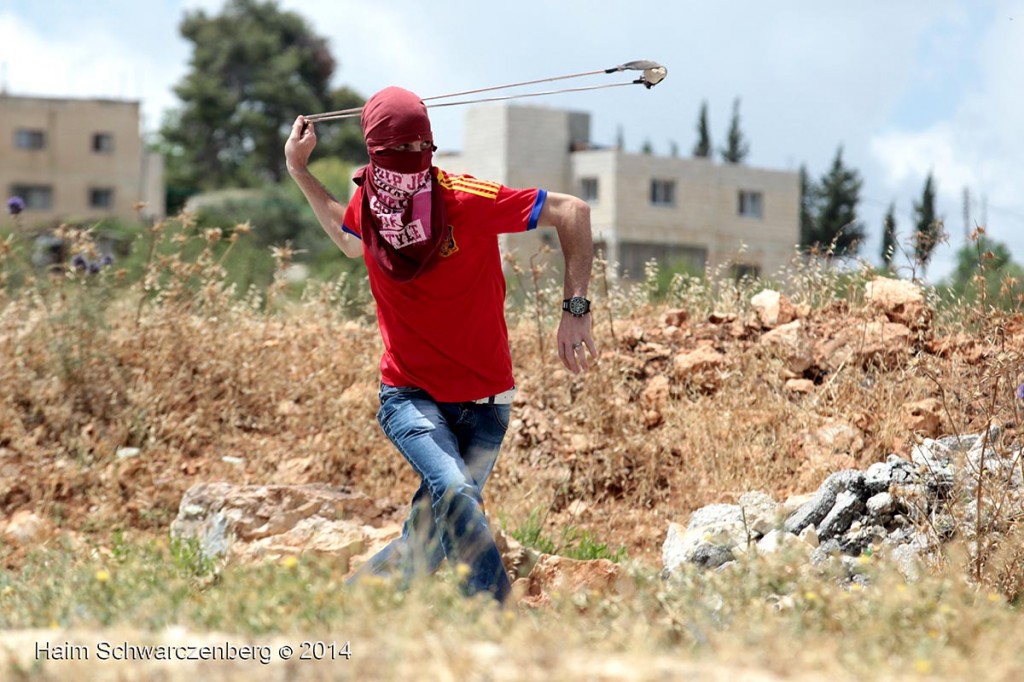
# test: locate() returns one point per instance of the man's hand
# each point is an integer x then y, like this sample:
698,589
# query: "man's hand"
575,341
571,217
300,145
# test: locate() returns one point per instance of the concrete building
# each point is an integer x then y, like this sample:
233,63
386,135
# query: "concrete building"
77,160
682,212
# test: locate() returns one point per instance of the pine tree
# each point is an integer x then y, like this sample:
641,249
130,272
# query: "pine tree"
737,147
889,237
836,224
927,226
702,149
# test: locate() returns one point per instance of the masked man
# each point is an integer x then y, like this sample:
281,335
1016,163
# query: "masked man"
430,243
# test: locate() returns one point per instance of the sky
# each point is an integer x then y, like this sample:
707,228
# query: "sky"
905,88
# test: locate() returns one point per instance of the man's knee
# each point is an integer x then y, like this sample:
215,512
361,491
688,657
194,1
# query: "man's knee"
457,502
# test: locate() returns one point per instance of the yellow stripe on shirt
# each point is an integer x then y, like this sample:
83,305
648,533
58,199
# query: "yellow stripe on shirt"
462,183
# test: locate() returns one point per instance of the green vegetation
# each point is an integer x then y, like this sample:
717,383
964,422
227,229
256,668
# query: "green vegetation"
828,214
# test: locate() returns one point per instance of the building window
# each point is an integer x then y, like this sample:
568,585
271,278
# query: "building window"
663,192
751,204
103,143
671,258
745,271
36,197
589,189
101,197
29,139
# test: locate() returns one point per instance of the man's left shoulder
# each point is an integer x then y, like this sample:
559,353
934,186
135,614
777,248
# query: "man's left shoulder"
463,184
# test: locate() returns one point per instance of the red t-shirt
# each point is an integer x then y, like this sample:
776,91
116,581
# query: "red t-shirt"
444,331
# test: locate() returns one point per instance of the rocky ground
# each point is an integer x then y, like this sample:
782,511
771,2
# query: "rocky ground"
861,427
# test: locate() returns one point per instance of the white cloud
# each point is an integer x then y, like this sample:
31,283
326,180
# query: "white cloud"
86,64
978,146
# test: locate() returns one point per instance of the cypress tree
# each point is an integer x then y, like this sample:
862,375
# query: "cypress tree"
889,237
927,226
702,149
737,147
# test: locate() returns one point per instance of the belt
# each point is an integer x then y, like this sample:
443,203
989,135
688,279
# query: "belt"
503,398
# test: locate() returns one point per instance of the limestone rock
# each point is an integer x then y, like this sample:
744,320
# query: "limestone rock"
554,576
709,545
789,342
923,417
901,301
656,394
846,508
772,308
26,528
865,343
267,522
760,512
699,365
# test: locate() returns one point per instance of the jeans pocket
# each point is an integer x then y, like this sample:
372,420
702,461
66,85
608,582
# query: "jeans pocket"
502,414
392,398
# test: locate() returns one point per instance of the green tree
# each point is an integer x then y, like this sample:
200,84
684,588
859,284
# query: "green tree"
985,268
889,243
808,208
927,225
736,148
703,147
647,148
254,68
835,219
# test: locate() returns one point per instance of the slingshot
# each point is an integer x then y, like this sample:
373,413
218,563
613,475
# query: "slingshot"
652,74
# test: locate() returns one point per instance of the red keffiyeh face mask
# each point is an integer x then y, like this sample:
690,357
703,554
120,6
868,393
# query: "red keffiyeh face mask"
403,211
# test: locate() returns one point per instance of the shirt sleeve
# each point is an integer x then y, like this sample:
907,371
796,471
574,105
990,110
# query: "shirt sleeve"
351,222
523,207
500,209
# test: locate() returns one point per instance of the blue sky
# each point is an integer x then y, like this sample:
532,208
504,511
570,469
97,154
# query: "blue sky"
905,87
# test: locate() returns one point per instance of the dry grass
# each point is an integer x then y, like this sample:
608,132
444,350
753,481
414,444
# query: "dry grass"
179,364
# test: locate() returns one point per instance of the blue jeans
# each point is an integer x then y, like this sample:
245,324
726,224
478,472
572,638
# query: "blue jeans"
453,447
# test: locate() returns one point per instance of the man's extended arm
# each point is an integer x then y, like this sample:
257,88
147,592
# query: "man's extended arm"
329,211
571,217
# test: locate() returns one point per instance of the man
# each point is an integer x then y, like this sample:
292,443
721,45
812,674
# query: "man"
430,243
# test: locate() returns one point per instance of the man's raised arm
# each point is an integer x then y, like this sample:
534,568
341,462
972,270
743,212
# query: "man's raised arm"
329,211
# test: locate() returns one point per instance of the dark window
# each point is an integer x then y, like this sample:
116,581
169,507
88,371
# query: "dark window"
103,143
663,192
634,256
589,189
102,197
751,204
36,197
29,139
745,271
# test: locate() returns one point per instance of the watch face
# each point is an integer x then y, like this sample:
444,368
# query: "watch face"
577,305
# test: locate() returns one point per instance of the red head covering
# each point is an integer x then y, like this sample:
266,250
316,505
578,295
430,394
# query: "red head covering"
404,219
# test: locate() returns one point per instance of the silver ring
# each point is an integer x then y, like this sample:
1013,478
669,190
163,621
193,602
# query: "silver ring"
577,345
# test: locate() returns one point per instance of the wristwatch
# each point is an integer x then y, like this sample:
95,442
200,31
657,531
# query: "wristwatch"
577,306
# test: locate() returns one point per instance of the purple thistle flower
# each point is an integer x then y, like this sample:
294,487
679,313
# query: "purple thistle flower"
15,205
1020,392
107,260
94,267
79,262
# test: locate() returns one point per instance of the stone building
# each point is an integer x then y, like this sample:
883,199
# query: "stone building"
77,160
682,212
